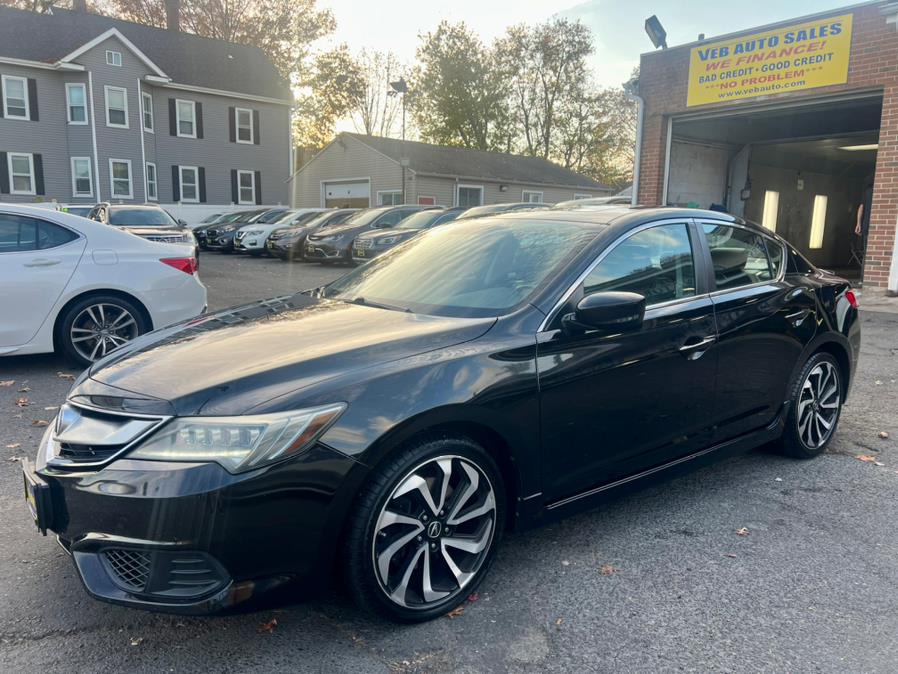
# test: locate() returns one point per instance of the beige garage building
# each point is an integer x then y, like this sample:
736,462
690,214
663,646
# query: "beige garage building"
360,171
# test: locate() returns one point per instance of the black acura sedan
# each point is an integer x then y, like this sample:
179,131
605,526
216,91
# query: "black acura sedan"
482,376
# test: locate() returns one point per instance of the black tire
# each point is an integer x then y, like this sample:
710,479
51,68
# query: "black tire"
799,439
76,312
360,548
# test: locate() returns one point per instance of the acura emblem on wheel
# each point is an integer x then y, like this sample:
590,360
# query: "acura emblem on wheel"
434,529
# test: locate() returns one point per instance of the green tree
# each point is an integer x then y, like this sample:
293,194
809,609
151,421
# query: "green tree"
459,92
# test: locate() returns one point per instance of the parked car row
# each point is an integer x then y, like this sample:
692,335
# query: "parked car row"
336,235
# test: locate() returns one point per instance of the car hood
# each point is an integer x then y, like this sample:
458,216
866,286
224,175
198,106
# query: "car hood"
379,233
341,231
142,230
237,359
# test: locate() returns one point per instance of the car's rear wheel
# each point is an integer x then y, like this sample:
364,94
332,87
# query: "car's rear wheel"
816,403
96,325
425,530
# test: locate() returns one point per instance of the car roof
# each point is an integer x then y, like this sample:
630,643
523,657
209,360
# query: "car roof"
622,216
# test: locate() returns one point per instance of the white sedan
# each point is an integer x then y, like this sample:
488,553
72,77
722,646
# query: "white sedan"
83,288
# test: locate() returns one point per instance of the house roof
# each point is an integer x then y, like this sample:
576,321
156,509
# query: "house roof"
187,59
427,159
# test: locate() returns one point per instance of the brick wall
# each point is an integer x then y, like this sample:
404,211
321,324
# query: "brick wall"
873,65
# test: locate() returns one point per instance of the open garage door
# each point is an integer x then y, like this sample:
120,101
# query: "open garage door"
356,194
800,170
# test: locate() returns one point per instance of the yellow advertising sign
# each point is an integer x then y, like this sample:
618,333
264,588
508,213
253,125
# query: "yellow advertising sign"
793,58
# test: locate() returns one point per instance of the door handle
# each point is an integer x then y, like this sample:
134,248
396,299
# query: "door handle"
694,350
797,318
42,262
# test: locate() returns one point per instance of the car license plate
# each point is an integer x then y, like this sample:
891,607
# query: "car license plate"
359,252
37,497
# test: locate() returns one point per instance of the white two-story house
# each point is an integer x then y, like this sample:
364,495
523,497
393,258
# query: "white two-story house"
96,109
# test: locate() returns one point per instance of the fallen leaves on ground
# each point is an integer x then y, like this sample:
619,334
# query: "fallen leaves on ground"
7,383
136,641
866,458
40,423
268,627
25,389
66,376
607,569
474,596
730,555
742,531
559,622
883,435
22,402
456,612
14,445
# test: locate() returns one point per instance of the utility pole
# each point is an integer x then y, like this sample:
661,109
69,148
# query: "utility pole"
400,88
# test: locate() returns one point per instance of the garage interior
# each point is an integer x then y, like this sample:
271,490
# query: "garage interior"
798,169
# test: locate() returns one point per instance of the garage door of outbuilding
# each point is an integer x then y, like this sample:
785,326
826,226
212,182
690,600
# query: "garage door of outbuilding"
346,194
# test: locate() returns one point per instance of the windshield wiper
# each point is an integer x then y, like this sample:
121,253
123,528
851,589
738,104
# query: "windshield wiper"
380,305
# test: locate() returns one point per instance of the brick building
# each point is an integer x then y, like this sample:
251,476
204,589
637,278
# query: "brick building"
792,124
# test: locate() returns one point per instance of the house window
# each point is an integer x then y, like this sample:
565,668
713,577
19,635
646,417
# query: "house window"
582,196
246,187
532,196
76,103
21,172
186,118
189,178
818,221
147,112
152,189
771,208
113,58
120,179
470,195
82,178
389,198
116,107
15,97
244,125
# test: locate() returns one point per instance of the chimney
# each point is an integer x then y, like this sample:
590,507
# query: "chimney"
79,5
173,15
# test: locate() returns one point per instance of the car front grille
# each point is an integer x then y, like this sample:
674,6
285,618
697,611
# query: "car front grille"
239,236
91,437
130,568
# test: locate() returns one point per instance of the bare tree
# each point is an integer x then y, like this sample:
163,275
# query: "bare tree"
375,111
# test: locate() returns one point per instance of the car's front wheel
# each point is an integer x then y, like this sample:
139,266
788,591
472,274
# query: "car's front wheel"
425,530
816,403
96,325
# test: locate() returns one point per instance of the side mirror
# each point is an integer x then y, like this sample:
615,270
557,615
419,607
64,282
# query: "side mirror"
608,311
182,222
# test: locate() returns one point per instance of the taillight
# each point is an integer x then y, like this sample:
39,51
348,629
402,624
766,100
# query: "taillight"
852,298
188,265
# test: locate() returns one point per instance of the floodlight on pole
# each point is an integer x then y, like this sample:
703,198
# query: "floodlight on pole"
656,32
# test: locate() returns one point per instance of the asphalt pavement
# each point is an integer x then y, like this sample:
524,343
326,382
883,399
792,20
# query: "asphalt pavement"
758,563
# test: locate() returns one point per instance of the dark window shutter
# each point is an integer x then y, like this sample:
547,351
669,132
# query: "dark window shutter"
202,178
32,99
4,173
256,127
232,124
175,183
172,119
198,108
38,173
258,187
235,197
1,98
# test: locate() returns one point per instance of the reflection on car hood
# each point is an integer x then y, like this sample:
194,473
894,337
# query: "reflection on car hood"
231,361
142,230
340,230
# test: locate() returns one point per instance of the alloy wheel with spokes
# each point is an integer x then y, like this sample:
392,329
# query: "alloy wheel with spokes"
819,401
100,328
434,531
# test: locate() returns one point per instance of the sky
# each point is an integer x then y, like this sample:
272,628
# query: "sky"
617,25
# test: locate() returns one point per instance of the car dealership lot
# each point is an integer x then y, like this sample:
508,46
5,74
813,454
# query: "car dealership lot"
657,580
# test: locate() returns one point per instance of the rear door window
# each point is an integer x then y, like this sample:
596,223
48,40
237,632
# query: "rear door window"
50,235
17,233
738,255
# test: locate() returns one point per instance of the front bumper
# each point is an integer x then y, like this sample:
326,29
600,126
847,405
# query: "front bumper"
220,242
250,244
193,538
322,250
286,248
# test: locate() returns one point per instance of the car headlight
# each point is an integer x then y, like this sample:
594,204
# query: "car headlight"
239,443
253,232
386,240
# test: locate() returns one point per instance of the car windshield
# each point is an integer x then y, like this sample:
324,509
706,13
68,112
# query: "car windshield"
145,217
210,219
466,270
240,216
303,218
421,220
284,218
268,217
366,217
